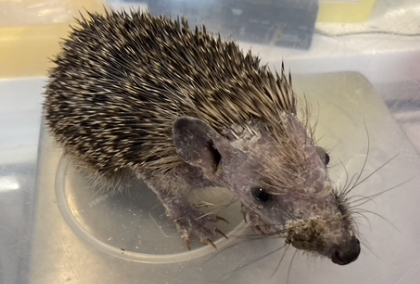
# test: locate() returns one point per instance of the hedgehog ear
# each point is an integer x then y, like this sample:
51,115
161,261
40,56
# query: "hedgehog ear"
199,145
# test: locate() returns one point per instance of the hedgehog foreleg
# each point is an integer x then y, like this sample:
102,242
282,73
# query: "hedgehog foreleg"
189,220
257,224
172,189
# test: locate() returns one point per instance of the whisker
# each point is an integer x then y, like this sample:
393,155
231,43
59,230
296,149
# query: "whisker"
290,266
367,219
217,207
267,236
281,259
257,259
241,239
380,216
347,176
366,156
377,194
350,199
375,171
349,186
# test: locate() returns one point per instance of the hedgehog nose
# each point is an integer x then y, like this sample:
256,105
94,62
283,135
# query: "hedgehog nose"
346,255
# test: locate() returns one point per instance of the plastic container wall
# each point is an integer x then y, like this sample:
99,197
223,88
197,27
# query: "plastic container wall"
30,31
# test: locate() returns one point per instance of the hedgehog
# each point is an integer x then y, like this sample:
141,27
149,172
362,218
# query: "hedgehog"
180,109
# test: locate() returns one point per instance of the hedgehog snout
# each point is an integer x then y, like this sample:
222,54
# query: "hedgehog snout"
346,253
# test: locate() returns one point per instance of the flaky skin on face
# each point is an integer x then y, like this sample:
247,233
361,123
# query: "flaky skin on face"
181,109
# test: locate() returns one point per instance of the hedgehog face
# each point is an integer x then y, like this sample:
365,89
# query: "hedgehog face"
298,204
284,190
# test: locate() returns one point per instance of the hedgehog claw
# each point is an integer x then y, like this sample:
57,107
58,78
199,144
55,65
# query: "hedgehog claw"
257,223
220,233
244,214
194,222
270,229
258,230
222,219
210,243
188,243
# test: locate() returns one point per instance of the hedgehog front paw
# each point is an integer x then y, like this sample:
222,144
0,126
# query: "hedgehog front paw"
195,222
258,225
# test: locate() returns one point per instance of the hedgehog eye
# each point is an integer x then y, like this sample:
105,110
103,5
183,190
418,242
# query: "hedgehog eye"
323,155
260,194
327,159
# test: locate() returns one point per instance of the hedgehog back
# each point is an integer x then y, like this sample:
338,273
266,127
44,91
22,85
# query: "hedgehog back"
122,80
